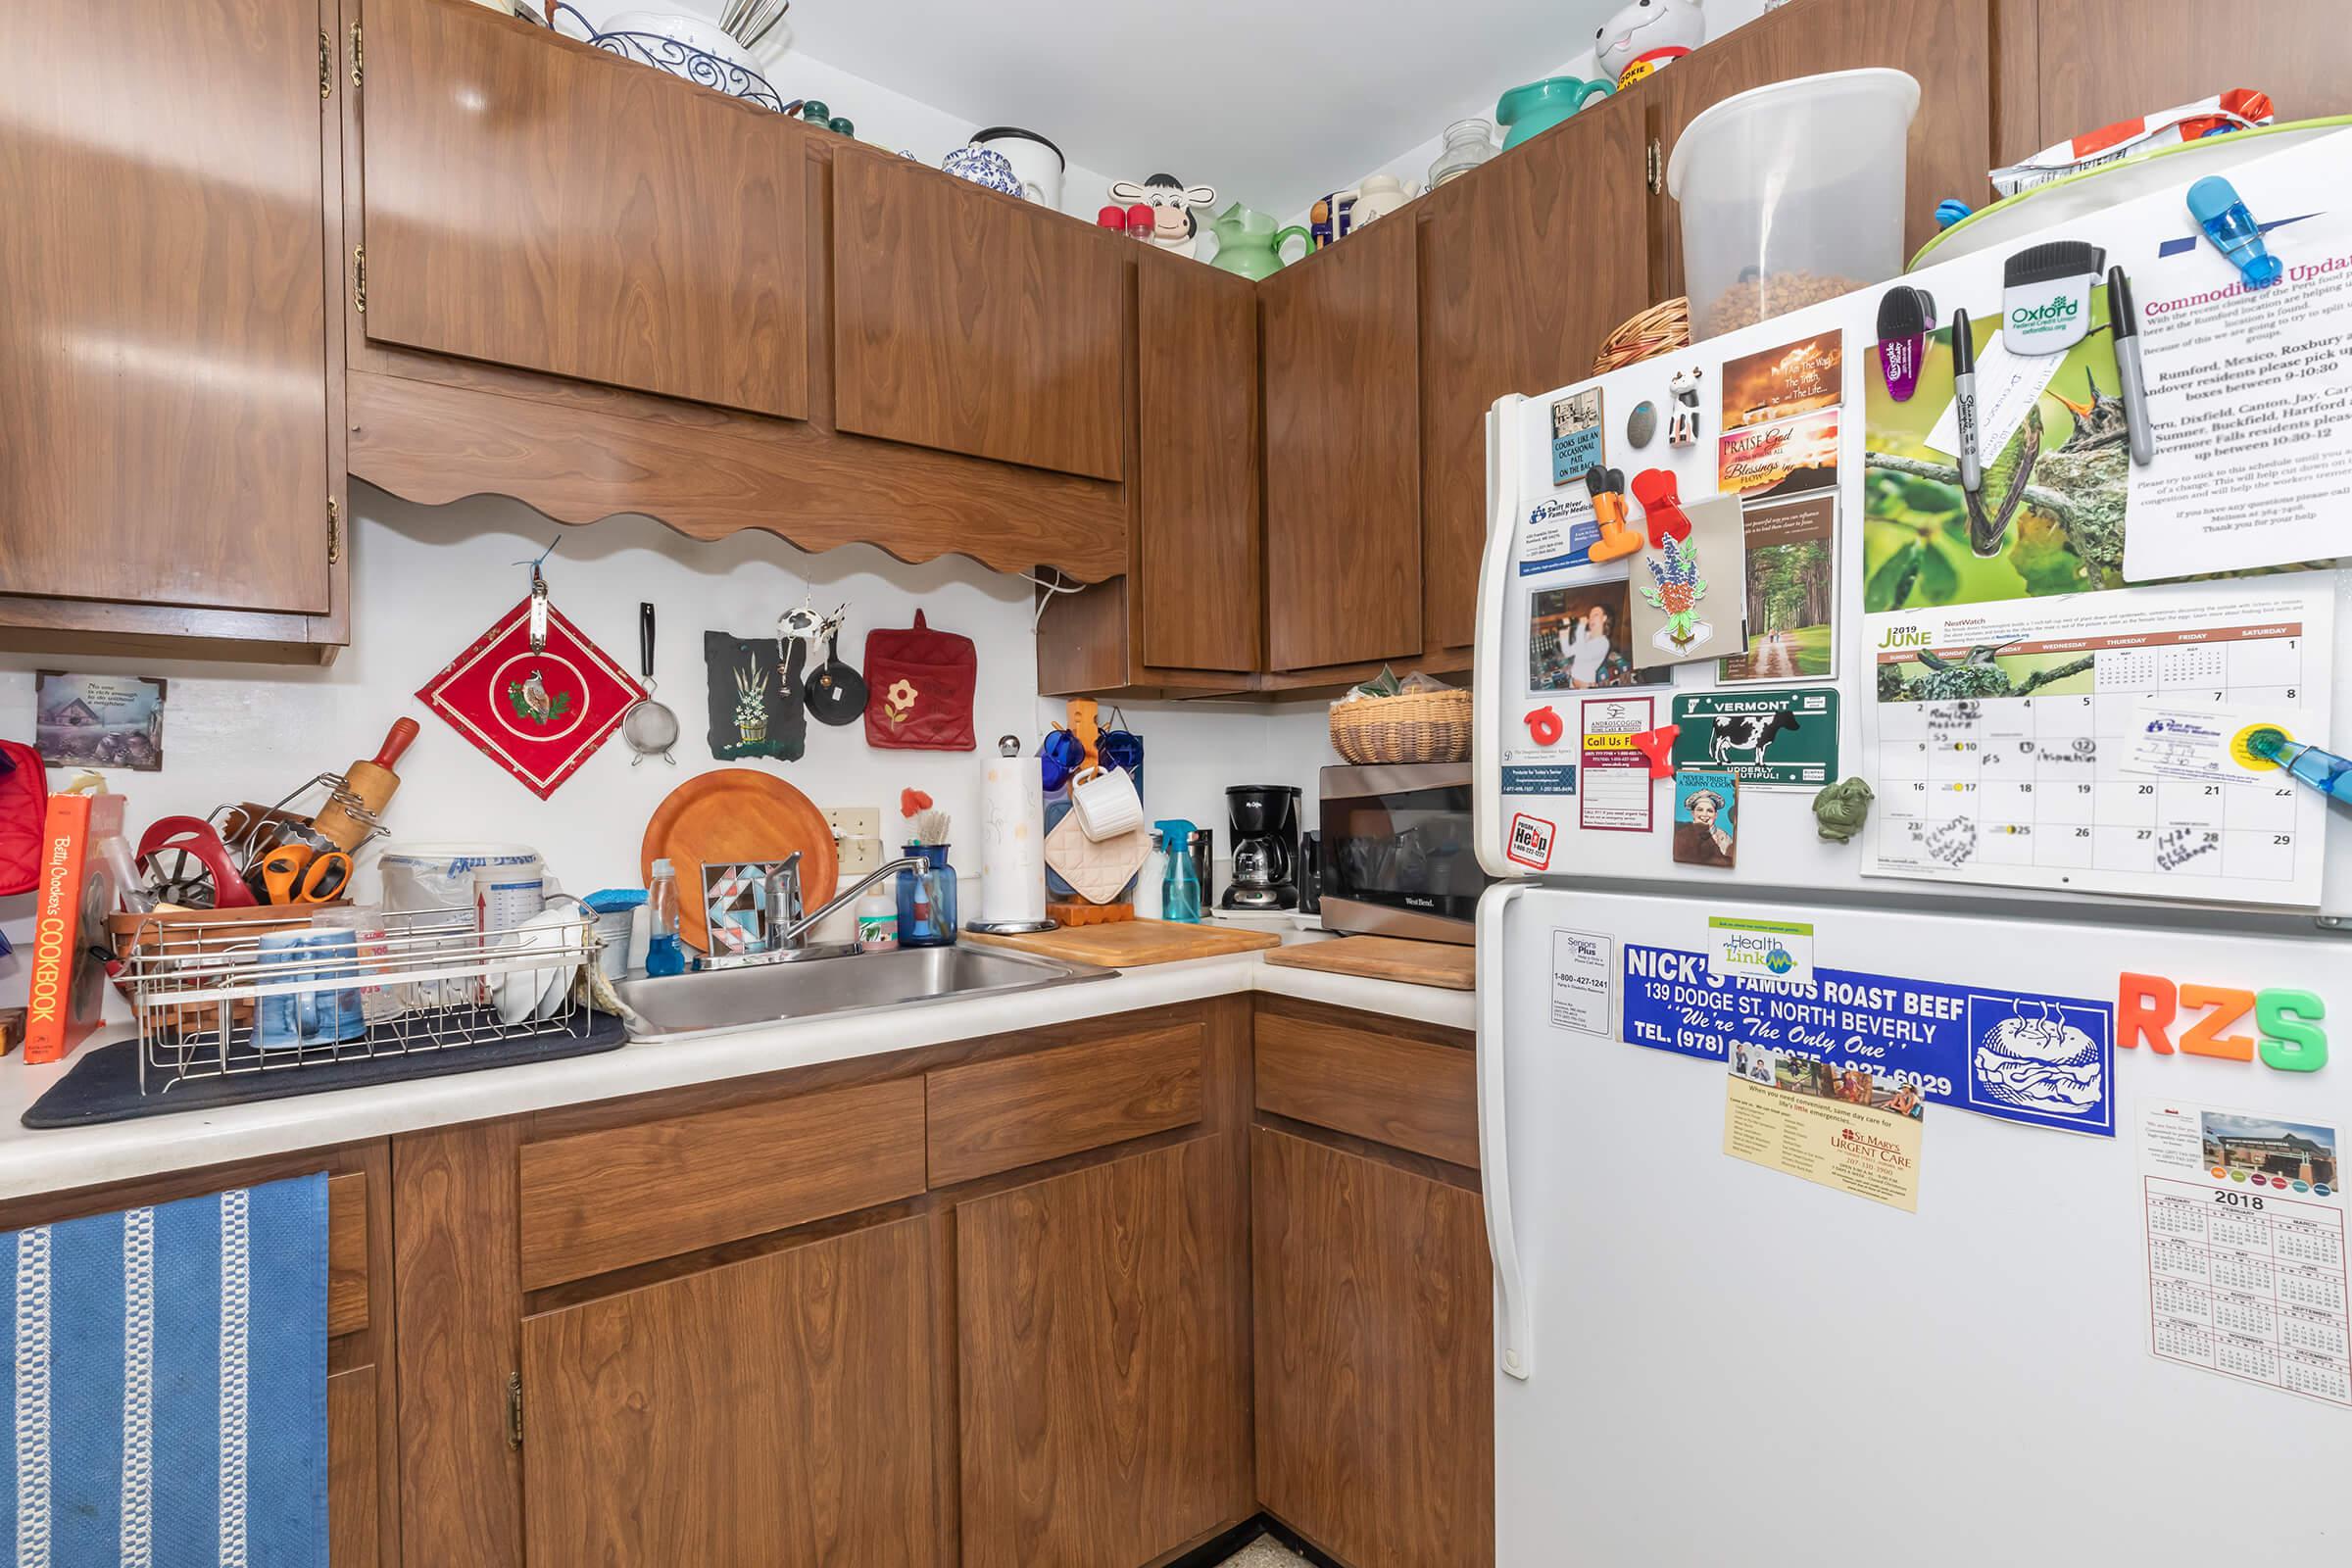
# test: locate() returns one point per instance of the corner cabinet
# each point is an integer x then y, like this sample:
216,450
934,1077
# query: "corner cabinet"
1501,313
1342,377
174,466
971,322
1103,1345
535,202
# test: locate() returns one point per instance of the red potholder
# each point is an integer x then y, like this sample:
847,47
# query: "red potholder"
23,805
919,685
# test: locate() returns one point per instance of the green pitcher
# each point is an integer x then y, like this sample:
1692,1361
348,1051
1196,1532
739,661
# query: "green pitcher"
1250,243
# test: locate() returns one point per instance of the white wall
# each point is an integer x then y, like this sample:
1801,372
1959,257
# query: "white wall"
429,580
1412,164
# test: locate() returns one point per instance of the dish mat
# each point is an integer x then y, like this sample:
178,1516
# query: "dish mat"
169,1404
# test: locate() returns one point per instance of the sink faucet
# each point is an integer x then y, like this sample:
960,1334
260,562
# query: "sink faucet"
789,928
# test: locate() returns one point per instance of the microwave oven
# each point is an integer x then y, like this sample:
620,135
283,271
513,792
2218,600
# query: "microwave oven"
1397,856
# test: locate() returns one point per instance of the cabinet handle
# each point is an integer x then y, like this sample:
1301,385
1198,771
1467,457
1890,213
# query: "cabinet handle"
326,66
358,58
359,279
334,531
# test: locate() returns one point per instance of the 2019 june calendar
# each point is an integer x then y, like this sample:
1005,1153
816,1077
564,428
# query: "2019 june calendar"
2002,734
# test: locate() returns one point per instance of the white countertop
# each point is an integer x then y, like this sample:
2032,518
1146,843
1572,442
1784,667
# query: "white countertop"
63,1158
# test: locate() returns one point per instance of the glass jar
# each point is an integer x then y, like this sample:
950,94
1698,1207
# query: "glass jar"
927,900
1468,144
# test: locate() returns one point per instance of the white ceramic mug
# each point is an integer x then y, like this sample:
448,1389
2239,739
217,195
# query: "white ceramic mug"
1107,804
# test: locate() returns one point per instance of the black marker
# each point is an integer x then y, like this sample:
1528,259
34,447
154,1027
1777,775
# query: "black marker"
1964,402
2124,321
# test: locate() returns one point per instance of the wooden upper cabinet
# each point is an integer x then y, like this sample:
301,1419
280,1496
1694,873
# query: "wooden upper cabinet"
535,202
1343,453
2095,62
1102,1341
775,1411
971,322
1946,44
163,277
1527,266
1200,543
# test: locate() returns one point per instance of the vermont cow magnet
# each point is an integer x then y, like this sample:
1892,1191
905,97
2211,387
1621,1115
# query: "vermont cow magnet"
1769,739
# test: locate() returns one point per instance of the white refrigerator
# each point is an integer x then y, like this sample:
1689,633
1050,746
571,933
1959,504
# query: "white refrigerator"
2090,1306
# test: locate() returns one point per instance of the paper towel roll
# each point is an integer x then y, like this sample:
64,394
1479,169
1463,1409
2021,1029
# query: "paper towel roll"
1012,840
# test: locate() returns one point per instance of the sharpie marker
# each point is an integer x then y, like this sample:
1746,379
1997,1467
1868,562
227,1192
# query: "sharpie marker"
1964,402
2124,321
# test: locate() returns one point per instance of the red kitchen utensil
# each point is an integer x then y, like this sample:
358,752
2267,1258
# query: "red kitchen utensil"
185,862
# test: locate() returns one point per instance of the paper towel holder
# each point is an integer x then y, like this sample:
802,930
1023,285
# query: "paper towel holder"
1007,746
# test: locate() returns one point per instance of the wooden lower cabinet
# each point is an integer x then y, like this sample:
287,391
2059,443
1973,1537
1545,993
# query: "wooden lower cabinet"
1372,1305
1101,1338
770,1413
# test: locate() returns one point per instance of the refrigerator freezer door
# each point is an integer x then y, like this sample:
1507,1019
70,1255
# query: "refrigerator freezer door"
1729,1364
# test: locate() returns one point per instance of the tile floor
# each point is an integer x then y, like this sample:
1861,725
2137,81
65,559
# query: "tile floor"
1263,1553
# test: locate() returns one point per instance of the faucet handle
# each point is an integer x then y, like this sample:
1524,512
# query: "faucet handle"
784,895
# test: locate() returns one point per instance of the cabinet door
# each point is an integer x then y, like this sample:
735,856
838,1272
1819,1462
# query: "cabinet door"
163,273
1199,557
772,1413
1375,1392
1946,44
1343,459
1527,266
535,202
971,322
1100,1320
2101,61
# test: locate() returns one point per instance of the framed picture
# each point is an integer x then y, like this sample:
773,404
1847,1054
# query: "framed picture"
99,721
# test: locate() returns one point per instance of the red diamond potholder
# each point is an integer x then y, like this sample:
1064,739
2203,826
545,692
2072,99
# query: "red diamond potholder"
920,686
23,810
539,715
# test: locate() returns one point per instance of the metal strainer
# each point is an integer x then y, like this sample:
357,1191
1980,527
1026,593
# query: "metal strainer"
649,727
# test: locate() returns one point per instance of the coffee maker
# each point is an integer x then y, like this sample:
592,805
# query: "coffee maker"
1265,847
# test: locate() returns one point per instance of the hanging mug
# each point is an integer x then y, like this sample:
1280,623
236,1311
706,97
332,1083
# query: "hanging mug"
1107,804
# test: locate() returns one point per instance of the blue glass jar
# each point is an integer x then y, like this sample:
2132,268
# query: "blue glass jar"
927,898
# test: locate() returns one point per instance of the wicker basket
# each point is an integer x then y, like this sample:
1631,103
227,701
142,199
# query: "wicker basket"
1417,728
1660,330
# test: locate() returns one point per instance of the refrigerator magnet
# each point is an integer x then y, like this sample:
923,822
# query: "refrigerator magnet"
1706,814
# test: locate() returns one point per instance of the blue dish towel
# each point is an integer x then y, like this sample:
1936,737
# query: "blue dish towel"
168,1402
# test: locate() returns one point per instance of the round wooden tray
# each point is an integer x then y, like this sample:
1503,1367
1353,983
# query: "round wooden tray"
733,816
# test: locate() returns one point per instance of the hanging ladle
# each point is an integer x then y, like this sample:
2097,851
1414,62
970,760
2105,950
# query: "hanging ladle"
649,726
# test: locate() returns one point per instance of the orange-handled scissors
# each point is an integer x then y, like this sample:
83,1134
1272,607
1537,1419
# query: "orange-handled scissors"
296,873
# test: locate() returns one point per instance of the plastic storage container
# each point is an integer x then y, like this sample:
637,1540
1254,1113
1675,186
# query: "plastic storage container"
1792,194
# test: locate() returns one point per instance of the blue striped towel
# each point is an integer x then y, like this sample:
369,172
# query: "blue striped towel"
169,1407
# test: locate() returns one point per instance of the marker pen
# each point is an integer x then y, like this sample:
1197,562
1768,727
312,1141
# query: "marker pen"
1964,402
2124,321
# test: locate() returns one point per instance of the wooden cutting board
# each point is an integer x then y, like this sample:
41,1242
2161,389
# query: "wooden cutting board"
1420,963
732,816
1131,944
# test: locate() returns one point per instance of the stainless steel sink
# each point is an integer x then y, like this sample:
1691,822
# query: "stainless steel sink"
675,1007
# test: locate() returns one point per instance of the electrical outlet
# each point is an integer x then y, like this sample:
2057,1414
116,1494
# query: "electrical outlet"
854,821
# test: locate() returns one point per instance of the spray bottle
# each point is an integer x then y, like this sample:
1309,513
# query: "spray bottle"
1179,888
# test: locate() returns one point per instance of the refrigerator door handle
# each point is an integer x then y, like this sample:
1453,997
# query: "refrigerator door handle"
1486,692
1493,1157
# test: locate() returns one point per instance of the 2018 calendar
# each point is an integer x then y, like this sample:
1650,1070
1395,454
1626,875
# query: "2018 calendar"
2003,734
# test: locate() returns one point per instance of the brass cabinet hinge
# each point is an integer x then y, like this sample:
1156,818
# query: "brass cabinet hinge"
358,58
326,66
359,279
335,532
515,1410
1657,165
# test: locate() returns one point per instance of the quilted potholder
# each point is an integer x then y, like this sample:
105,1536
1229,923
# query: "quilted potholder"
920,686
1096,870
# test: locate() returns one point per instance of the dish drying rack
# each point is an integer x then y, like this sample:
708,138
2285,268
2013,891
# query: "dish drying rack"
427,982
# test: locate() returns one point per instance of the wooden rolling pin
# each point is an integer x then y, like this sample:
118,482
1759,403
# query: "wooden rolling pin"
370,784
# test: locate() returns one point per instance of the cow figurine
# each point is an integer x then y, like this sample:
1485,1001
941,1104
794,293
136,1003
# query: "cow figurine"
1746,732
1172,201
1681,424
